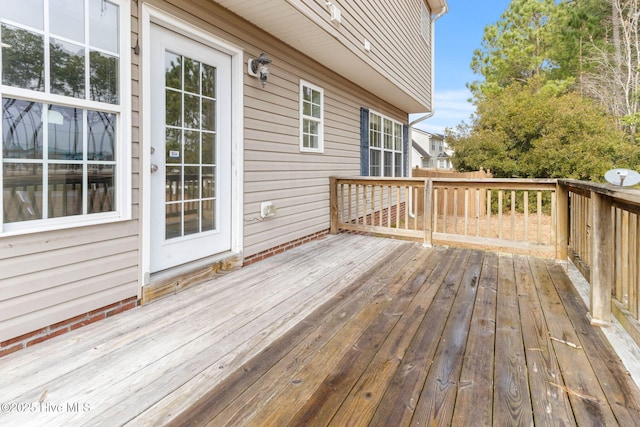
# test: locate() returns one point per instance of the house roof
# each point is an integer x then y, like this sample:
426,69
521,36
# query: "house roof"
419,149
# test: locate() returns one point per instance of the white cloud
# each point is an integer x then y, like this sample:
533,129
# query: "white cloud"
451,108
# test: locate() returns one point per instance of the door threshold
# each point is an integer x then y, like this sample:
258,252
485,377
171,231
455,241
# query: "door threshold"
177,279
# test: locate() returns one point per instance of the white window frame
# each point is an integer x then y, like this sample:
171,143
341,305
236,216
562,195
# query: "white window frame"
122,158
319,121
395,137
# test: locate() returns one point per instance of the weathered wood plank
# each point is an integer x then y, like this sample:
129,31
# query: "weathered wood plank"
550,405
438,396
475,389
512,402
620,390
580,382
371,353
399,402
300,342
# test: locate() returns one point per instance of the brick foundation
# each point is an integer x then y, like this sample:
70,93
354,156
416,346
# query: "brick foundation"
284,247
27,340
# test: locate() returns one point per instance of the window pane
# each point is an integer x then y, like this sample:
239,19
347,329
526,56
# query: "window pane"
208,215
65,190
173,146
173,183
101,190
26,12
22,58
208,81
104,77
173,70
191,183
388,163
374,163
66,19
208,182
398,164
22,192
103,25
21,129
67,68
173,220
65,132
101,136
191,111
173,108
192,147
191,76
208,114
208,148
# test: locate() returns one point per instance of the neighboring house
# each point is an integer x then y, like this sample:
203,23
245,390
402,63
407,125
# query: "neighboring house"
429,151
143,149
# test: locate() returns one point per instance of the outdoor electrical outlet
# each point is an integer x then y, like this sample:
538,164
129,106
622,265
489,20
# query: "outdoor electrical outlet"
267,209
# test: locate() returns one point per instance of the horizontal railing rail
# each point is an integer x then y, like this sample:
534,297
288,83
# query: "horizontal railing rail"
596,225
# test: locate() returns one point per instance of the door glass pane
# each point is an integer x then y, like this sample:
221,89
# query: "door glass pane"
173,220
191,182
208,148
191,147
67,68
173,70
173,102
173,146
208,114
22,58
208,81
208,215
191,76
173,184
208,182
192,111
191,217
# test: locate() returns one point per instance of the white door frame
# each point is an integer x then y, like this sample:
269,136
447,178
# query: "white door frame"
148,15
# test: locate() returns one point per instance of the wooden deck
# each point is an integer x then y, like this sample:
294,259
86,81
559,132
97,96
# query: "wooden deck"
349,330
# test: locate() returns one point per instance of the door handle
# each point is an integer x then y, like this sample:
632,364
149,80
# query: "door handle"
154,168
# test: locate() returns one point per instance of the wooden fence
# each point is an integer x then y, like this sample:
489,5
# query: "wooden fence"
597,225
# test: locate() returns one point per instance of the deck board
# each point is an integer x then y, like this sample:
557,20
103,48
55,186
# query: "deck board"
349,330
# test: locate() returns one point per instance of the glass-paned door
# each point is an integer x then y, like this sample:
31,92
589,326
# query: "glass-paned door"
190,151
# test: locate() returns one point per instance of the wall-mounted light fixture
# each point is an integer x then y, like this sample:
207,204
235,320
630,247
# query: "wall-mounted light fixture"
259,67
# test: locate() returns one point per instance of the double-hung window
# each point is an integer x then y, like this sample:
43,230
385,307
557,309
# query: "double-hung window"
64,87
311,118
385,146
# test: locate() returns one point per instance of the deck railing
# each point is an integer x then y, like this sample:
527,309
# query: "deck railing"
604,244
597,225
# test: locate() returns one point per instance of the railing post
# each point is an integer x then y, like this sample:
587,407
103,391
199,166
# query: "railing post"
333,204
428,213
602,260
562,227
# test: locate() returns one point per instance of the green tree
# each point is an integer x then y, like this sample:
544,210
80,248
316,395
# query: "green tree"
516,48
533,130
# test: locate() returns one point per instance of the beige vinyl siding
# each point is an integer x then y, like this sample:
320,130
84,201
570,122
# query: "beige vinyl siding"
394,29
52,276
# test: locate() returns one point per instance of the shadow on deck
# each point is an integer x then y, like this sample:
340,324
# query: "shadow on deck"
349,330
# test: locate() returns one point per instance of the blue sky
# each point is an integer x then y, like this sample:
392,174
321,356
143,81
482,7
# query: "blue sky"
458,34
